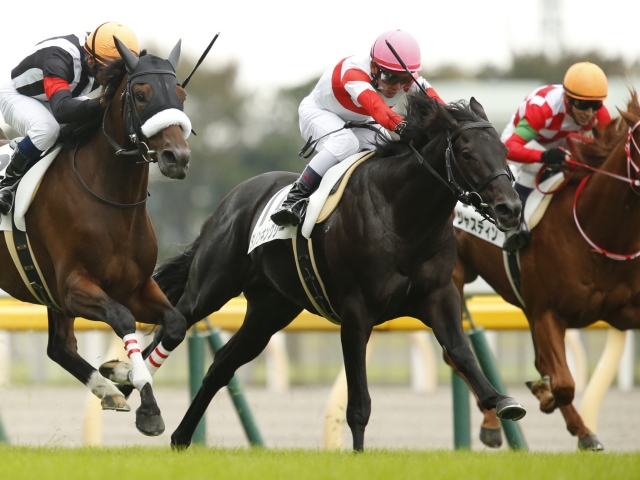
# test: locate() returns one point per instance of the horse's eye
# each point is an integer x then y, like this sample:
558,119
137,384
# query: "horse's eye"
140,97
466,155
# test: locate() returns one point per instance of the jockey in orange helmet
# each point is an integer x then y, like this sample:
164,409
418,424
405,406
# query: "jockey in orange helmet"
48,88
536,134
356,89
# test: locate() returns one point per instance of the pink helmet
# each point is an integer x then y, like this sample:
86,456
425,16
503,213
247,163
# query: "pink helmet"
404,44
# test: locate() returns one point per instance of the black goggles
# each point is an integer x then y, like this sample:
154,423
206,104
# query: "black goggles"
594,105
391,78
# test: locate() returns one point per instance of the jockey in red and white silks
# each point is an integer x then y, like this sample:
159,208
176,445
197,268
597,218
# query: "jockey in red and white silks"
543,118
536,134
357,89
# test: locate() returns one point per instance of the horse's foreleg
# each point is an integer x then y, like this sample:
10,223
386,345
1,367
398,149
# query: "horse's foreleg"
550,360
62,349
441,310
83,298
151,306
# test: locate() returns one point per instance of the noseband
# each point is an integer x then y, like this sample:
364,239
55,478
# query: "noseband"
472,196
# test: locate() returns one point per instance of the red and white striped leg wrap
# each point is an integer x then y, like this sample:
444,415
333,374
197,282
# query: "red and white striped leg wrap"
139,375
156,359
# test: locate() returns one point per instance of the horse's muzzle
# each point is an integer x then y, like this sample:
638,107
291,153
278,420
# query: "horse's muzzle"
507,214
174,162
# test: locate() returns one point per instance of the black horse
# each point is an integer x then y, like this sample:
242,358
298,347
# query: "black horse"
388,250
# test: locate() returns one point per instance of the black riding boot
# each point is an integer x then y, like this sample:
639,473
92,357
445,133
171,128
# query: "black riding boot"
520,236
294,207
14,172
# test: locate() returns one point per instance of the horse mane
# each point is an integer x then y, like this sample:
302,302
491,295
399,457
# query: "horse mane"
606,139
423,123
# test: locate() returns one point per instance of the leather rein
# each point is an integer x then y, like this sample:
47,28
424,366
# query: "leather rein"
472,196
633,183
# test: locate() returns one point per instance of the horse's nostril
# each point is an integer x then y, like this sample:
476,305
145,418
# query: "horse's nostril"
168,157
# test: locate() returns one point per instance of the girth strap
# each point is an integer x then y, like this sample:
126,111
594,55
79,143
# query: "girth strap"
29,267
310,279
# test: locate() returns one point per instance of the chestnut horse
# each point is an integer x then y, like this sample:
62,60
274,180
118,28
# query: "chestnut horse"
91,234
387,251
571,279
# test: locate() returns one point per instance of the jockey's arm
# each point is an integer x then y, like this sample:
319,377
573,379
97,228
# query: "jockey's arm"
66,109
357,84
526,130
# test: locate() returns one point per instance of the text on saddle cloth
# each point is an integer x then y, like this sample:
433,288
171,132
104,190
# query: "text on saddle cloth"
468,220
318,209
27,188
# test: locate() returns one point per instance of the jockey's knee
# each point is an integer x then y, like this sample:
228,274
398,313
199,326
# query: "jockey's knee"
44,134
342,144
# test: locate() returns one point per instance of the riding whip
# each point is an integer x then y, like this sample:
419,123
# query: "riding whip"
204,55
404,65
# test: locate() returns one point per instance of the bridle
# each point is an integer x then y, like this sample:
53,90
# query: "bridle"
133,126
470,196
629,179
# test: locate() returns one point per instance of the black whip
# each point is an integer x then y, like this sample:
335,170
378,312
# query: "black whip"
395,54
204,55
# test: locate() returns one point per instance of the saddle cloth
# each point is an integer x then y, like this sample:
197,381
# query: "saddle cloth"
467,219
27,188
321,204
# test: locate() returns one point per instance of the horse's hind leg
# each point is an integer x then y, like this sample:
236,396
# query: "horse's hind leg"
267,313
62,349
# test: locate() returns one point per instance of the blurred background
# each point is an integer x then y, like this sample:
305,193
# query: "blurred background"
243,106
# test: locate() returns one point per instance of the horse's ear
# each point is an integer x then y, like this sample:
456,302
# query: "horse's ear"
446,117
174,56
130,59
629,118
477,108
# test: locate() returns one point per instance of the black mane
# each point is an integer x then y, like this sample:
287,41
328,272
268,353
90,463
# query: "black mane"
423,123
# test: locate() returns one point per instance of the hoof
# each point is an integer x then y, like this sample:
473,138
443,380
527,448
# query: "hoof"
491,437
177,445
590,442
149,425
509,409
116,371
115,402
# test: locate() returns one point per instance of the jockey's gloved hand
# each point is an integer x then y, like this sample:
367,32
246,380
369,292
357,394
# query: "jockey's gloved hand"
555,156
400,129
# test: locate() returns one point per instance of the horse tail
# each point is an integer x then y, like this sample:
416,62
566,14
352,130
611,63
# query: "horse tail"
171,275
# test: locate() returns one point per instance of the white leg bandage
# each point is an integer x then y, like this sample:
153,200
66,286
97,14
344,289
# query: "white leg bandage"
139,375
156,359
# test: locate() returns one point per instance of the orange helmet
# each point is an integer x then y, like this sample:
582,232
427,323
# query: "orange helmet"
101,46
585,81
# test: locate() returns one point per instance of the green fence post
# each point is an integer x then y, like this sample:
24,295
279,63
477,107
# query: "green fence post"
196,374
461,413
235,390
511,429
4,438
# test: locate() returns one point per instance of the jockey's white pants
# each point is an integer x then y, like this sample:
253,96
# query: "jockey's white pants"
316,122
29,117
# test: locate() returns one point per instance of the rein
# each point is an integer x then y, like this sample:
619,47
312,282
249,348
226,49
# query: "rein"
96,196
632,182
468,197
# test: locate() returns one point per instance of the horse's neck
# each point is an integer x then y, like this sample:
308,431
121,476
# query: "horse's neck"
120,176
421,203
608,208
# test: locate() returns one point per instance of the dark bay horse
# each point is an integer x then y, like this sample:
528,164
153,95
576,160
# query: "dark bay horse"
387,251
90,231
565,281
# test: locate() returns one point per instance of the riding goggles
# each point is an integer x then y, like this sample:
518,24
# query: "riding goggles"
391,78
595,105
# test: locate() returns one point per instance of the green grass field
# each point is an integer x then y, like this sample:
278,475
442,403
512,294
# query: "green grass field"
260,464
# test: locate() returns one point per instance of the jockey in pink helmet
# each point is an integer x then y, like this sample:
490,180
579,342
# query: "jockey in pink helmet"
357,89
